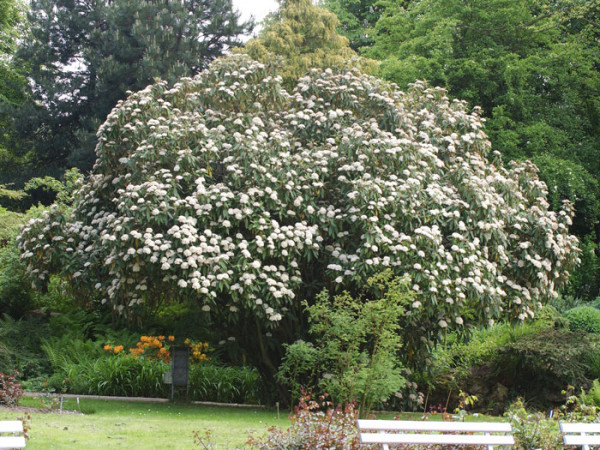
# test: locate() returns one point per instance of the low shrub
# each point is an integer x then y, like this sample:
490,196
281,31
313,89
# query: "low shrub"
315,425
10,389
20,346
584,318
356,342
533,429
535,361
225,384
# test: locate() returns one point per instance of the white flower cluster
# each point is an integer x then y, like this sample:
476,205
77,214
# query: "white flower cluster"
227,189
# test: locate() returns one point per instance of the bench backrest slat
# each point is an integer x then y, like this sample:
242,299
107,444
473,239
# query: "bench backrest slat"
440,439
12,442
580,427
416,425
11,426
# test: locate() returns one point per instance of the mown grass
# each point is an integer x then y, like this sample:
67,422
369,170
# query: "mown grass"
145,425
118,424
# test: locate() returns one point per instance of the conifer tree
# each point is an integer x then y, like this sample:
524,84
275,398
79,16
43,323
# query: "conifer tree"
86,54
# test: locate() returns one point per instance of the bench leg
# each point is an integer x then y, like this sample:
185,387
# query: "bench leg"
585,446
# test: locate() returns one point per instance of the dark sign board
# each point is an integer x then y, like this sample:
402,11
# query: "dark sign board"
180,364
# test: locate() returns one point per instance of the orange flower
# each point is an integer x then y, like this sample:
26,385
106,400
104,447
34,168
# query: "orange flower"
118,349
107,347
171,338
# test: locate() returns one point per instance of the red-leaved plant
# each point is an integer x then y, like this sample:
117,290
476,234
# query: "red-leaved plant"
10,389
315,425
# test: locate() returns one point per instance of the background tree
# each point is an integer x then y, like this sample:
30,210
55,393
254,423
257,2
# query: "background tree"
12,82
357,20
303,36
533,68
230,191
85,55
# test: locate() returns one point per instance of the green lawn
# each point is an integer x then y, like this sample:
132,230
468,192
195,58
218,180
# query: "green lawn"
117,424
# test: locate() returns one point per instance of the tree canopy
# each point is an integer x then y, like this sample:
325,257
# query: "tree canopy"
227,189
303,36
83,56
12,82
533,68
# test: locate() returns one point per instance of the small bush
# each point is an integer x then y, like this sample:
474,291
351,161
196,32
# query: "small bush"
16,294
225,384
356,343
20,346
592,396
10,389
532,429
584,318
315,425
535,361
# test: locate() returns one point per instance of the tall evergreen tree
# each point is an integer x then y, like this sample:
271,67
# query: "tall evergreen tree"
86,54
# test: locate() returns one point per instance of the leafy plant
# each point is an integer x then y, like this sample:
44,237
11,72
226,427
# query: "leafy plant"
210,382
315,425
584,318
10,389
20,346
532,429
356,342
592,396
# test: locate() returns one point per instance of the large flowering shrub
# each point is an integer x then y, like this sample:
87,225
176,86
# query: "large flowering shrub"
228,189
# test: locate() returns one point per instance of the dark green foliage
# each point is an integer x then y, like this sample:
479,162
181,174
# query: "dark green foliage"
357,20
20,346
16,295
584,318
110,48
534,361
543,363
12,81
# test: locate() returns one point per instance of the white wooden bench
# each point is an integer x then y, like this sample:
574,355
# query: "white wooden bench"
11,434
387,432
584,434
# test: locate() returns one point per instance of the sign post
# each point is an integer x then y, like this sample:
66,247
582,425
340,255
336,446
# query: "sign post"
180,370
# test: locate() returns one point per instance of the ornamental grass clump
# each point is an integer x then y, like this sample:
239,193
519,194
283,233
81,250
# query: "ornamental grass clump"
227,189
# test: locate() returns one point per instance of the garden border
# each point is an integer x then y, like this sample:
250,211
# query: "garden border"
138,399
